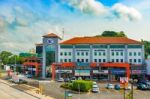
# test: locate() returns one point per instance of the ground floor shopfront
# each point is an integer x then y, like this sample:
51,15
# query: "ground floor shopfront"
96,71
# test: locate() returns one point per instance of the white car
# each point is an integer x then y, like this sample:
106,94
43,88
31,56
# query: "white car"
94,83
95,88
60,80
110,86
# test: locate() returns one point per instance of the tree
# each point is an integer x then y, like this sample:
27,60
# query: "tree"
112,34
15,59
147,48
4,56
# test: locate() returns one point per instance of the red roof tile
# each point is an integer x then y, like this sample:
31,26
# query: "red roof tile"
100,40
51,35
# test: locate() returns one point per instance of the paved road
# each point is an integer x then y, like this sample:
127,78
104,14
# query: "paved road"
53,89
7,92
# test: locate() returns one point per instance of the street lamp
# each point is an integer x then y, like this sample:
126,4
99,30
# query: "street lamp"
131,84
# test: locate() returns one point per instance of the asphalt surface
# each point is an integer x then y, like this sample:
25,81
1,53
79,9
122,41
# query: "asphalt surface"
7,92
53,89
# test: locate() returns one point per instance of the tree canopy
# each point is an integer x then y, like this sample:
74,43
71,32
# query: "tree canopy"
112,34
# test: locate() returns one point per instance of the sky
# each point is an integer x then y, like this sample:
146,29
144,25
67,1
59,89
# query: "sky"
23,22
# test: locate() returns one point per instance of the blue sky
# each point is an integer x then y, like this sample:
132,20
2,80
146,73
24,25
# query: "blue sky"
23,22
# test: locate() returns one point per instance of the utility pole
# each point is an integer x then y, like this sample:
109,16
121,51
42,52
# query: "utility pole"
131,85
15,63
63,32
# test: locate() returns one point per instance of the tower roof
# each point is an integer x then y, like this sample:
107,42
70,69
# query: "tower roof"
51,35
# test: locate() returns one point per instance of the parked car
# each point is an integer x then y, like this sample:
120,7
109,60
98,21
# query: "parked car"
117,86
29,76
66,80
73,79
110,86
95,87
94,83
60,80
141,86
80,78
147,85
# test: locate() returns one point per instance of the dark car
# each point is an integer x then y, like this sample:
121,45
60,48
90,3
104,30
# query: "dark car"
147,85
117,86
141,86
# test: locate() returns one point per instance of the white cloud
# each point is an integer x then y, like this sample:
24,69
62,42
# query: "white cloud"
128,13
97,8
88,6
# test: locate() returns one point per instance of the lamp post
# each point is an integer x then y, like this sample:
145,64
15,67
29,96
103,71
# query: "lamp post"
131,84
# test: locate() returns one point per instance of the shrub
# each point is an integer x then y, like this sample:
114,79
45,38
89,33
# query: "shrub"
67,85
82,85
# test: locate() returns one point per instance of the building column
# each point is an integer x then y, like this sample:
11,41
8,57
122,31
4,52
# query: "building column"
73,54
91,53
126,53
108,53
143,54
44,62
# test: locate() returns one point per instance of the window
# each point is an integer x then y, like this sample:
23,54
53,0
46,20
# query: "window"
121,53
139,60
78,60
78,53
117,53
82,60
134,53
104,54
61,60
112,60
130,53
65,53
65,60
134,60
87,60
99,53
130,60
69,53
100,60
86,53
69,60
117,60
112,53
104,60
139,53
95,53
82,53
61,53
121,60
95,60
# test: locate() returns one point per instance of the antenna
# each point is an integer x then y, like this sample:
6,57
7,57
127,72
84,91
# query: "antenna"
63,32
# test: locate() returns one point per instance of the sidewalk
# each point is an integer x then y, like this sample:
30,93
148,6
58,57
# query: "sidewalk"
26,89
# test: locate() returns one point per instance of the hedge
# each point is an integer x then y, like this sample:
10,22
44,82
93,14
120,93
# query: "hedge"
82,85
67,86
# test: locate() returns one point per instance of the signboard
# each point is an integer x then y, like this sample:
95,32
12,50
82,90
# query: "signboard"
100,72
82,72
50,41
63,71
15,78
117,71
138,71
33,69
124,81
